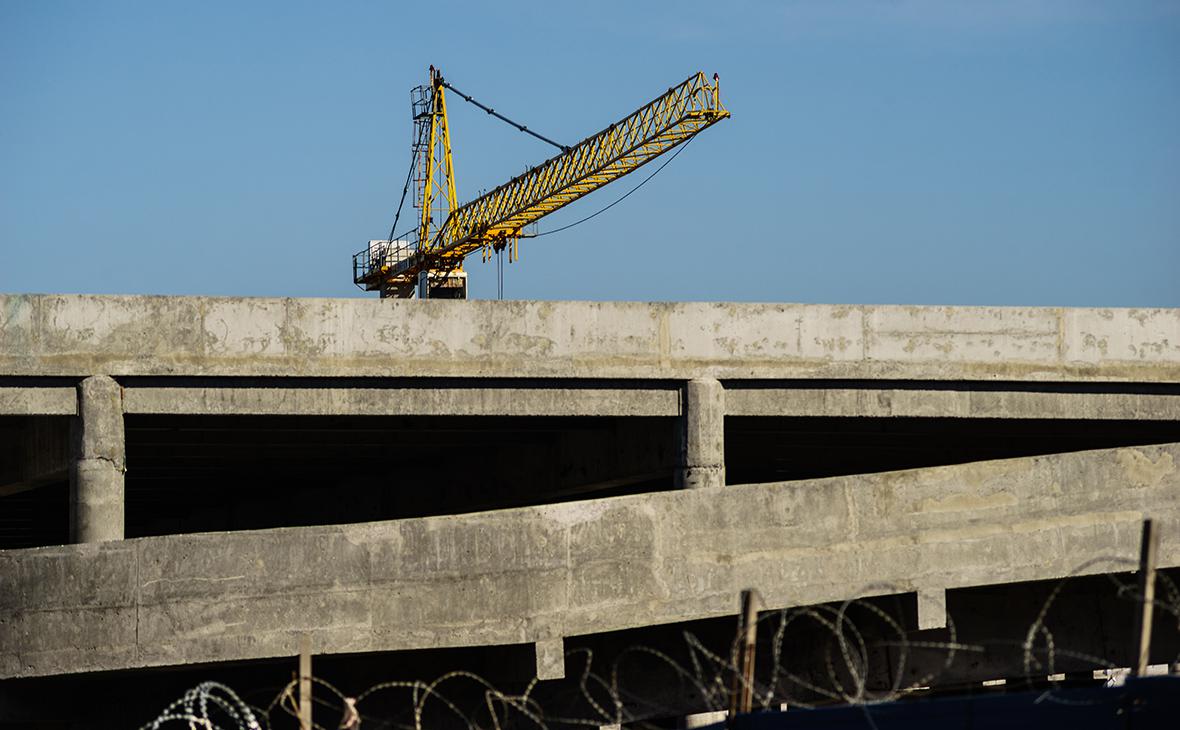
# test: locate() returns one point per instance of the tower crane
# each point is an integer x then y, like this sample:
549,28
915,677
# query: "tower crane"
428,261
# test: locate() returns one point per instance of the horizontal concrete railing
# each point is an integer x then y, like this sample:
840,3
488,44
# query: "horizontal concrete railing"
538,574
430,400
38,401
432,397
869,402
79,335
866,402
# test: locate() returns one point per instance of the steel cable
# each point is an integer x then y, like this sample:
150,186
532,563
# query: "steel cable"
625,195
501,117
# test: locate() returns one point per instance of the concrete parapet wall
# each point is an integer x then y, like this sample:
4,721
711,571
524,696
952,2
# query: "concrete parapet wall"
80,335
537,574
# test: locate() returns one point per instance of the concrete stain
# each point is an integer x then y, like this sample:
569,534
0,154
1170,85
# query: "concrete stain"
1142,470
968,502
1090,342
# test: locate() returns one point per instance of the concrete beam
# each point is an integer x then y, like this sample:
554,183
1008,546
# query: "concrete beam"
79,335
98,462
535,574
419,401
940,403
38,401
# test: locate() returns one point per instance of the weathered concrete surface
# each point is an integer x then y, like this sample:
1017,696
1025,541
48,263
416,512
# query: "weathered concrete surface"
921,403
932,608
436,398
536,574
80,335
550,658
98,462
702,438
419,401
37,401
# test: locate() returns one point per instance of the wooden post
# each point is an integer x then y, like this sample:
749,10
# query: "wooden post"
1147,551
742,696
305,683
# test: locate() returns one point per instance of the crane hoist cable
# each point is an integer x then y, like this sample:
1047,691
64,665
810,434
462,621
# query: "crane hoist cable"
489,110
405,189
622,197
498,115
495,221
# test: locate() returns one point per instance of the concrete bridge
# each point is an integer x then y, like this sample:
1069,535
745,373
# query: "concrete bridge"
195,481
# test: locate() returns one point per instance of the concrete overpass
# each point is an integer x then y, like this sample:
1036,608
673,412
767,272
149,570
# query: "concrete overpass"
396,476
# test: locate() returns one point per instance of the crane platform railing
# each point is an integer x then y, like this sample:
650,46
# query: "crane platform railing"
383,255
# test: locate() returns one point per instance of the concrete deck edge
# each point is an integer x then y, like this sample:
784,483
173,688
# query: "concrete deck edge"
536,574
79,335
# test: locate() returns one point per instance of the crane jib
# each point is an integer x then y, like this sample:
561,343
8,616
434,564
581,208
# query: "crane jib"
613,152
494,220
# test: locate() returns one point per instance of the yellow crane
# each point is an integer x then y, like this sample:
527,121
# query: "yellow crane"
447,233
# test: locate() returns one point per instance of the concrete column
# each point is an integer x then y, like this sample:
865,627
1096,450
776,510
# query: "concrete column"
97,462
931,608
705,719
702,436
551,658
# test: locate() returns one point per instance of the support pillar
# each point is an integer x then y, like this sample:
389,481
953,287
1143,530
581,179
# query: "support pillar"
931,608
97,462
704,719
550,658
702,435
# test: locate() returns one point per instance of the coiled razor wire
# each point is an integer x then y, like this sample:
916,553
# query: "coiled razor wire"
209,705
710,675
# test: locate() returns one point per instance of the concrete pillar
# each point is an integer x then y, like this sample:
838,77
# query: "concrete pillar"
551,658
705,719
702,435
97,462
931,608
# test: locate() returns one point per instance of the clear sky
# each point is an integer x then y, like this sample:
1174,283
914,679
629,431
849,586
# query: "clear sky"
1013,152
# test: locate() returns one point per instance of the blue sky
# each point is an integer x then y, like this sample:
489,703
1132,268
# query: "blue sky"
1013,152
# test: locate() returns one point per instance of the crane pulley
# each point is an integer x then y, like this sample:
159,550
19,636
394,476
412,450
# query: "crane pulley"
447,233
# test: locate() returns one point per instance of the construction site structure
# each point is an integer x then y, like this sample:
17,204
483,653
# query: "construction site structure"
557,495
428,261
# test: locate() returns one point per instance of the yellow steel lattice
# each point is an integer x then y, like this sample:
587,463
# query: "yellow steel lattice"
493,221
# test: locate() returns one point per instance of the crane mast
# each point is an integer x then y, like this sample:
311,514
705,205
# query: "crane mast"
494,222
432,150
